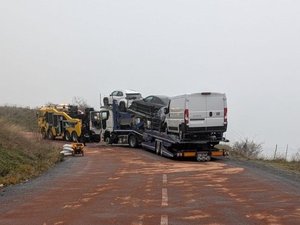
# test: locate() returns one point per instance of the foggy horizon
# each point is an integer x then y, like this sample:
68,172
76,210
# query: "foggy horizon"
52,51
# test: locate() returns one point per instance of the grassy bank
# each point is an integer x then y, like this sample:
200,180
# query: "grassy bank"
293,165
22,155
24,117
249,150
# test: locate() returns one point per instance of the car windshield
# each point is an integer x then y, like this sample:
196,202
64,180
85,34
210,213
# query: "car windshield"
165,100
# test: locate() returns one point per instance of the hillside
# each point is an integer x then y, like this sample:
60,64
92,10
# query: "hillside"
22,155
24,117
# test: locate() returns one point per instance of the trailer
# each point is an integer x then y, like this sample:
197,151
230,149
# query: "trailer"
134,129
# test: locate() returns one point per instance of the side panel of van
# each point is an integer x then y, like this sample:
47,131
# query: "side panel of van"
197,106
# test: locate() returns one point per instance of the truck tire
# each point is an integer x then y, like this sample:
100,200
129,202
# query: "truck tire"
108,140
67,136
50,135
44,134
74,136
132,141
122,107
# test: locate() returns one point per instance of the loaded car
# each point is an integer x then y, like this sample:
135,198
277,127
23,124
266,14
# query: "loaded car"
150,105
123,98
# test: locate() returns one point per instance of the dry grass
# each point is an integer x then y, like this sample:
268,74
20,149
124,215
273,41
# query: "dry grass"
239,151
22,157
293,165
24,117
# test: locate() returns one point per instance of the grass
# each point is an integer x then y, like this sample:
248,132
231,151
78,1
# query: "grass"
293,165
22,156
281,163
24,117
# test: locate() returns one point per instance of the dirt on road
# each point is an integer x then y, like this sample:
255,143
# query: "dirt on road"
119,185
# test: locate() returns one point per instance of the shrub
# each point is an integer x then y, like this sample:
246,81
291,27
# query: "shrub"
247,148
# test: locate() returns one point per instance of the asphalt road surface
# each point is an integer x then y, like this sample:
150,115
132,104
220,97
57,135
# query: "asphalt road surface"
119,185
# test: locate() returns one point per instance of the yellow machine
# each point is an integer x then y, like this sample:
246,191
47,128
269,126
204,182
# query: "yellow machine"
56,121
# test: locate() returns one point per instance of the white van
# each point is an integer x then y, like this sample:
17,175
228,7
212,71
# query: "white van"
198,116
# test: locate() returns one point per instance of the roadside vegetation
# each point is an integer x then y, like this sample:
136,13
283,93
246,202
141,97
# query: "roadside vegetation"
24,117
23,154
249,150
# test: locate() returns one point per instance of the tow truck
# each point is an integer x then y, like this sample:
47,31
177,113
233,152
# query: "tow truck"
65,122
135,130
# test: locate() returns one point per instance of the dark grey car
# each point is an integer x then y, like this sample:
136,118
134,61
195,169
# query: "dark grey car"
150,105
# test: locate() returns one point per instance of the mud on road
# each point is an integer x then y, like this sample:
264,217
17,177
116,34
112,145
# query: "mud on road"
118,185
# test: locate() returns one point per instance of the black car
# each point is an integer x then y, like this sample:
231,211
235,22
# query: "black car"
150,105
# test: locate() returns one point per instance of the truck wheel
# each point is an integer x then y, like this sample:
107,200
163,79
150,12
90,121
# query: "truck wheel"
67,136
74,136
50,135
122,107
108,140
132,141
44,134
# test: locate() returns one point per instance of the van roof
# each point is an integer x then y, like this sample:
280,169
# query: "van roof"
199,93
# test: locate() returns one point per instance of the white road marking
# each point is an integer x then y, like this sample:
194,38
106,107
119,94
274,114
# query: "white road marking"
165,179
164,201
164,220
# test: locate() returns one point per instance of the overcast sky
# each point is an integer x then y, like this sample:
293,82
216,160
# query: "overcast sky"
53,50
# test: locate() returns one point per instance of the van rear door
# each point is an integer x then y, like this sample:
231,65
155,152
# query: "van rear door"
207,109
216,105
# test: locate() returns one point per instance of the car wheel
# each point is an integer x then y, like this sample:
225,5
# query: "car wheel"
157,147
122,107
132,141
163,127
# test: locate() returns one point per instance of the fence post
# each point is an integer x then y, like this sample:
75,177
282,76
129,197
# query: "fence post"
275,152
286,152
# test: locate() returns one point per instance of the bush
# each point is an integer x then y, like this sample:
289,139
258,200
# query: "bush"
247,148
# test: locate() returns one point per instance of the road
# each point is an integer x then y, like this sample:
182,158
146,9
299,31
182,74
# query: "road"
119,185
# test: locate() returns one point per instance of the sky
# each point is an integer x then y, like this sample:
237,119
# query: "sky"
55,50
